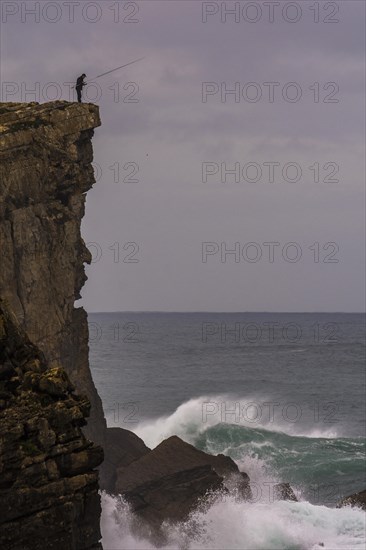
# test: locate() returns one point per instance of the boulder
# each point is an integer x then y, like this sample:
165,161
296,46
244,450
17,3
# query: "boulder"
173,479
174,496
283,491
357,500
171,456
121,447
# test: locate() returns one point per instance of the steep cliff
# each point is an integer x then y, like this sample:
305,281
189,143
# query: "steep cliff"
48,454
48,485
45,156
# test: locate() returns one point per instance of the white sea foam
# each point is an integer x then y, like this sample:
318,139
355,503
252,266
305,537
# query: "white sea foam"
197,415
229,524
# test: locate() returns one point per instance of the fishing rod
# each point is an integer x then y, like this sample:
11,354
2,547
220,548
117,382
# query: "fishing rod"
116,69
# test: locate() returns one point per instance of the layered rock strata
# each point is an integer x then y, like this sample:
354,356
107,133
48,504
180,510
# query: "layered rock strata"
45,158
48,481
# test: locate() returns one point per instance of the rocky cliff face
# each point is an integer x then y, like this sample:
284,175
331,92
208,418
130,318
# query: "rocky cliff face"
49,488
48,485
45,157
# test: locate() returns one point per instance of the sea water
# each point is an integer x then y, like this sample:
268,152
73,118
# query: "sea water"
282,394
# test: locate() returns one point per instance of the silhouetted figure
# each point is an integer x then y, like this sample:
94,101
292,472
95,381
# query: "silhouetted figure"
79,86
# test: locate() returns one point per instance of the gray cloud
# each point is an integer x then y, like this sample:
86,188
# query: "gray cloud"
169,133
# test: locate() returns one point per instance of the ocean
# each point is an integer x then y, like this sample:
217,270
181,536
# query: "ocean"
283,394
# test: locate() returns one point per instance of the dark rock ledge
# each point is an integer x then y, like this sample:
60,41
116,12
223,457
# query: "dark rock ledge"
48,482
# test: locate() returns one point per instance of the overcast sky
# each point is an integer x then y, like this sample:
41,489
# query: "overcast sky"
168,132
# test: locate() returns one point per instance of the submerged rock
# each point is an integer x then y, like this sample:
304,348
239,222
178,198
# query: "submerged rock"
357,500
283,491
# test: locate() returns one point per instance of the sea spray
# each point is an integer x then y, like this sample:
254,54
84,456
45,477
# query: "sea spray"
253,411
244,526
312,439
322,469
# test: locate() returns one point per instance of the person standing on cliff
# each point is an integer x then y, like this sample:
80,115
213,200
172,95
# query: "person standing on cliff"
79,86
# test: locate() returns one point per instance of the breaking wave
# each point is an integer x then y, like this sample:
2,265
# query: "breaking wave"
321,465
245,526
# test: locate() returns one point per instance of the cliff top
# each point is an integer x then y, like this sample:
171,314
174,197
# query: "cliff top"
56,118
